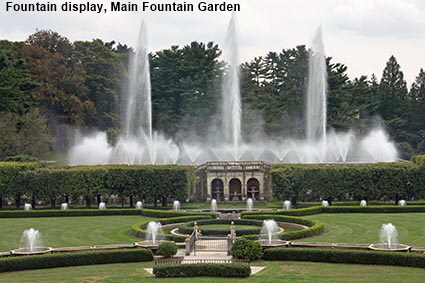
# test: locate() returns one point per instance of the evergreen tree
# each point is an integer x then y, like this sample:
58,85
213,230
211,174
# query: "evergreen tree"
394,104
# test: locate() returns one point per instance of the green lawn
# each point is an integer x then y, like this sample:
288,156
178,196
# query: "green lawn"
363,228
70,231
291,272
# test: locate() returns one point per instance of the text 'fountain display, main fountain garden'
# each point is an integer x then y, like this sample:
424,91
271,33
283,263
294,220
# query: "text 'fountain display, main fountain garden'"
139,144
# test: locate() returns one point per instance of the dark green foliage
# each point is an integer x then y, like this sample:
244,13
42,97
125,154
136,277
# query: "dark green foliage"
15,83
21,158
73,259
353,181
373,209
346,256
293,212
201,270
167,249
25,134
187,228
155,182
66,213
172,213
246,249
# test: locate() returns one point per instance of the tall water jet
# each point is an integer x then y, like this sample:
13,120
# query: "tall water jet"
139,205
269,231
154,233
214,205
31,240
287,205
402,202
363,203
176,205
139,104
27,206
389,236
316,91
232,109
102,205
64,206
249,204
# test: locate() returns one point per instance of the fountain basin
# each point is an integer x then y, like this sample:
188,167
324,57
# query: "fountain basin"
394,248
35,251
274,243
149,244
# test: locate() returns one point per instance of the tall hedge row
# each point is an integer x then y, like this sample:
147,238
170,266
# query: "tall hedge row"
395,181
90,182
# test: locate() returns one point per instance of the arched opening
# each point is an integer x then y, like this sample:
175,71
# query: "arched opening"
235,189
253,189
217,189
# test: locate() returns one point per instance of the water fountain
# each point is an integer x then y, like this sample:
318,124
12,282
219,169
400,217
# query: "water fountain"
287,205
139,205
325,203
64,206
402,202
249,204
27,206
389,240
31,243
139,144
176,205
269,234
214,205
363,203
102,205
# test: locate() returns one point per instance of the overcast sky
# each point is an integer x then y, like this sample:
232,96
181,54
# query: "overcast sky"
362,34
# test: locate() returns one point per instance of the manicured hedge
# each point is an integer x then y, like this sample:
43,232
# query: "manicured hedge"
315,227
373,209
345,256
170,182
18,263
171,213
187,228
139,229
202,269
69,212
402,180
293,212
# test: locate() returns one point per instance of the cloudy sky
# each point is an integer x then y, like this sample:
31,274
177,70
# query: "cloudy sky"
362,34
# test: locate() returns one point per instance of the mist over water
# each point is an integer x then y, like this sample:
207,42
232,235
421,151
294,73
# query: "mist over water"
139,144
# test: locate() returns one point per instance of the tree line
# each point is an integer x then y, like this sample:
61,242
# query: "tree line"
49,84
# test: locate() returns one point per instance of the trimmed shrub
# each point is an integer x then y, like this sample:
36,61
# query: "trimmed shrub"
21,158
167,249
65,213
339,181
293,212
202,269
346,256
373,209
246,249
172,213
73,259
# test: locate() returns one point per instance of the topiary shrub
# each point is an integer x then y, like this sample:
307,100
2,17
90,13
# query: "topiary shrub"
202,269
246,249
167,249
